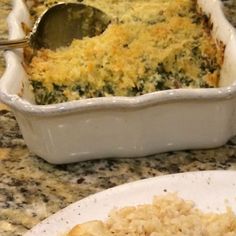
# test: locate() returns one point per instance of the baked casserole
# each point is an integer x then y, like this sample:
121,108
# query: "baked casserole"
150,45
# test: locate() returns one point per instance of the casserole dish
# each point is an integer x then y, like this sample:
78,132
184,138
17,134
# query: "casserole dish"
123,126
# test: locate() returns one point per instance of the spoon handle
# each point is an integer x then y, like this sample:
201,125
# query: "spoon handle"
11,44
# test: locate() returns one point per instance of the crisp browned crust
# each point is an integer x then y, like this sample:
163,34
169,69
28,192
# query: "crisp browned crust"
152,45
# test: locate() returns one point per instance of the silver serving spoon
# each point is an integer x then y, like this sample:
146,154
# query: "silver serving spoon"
60,24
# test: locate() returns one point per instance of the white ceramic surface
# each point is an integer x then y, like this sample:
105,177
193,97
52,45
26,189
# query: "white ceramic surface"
121,126
211,191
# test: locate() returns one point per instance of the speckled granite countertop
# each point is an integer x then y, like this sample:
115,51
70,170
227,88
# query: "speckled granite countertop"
31,189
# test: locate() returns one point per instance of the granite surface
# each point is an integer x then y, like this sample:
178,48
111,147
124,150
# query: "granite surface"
31,189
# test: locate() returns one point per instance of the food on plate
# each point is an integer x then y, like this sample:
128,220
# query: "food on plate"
90,228
168,215
150,45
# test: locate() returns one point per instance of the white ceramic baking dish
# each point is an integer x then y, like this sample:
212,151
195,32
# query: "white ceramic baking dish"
120,126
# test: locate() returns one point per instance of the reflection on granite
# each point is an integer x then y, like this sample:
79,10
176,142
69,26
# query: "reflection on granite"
31,189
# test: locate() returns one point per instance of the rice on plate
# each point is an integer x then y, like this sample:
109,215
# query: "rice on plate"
167,215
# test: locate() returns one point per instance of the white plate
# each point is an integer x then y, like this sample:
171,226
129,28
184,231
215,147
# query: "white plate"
210,190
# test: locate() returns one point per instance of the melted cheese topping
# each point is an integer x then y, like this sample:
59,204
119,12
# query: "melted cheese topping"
150,45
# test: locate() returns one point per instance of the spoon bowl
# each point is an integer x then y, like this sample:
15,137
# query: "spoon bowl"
60,24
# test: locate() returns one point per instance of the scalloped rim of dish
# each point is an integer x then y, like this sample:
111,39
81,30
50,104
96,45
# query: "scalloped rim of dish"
165,96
